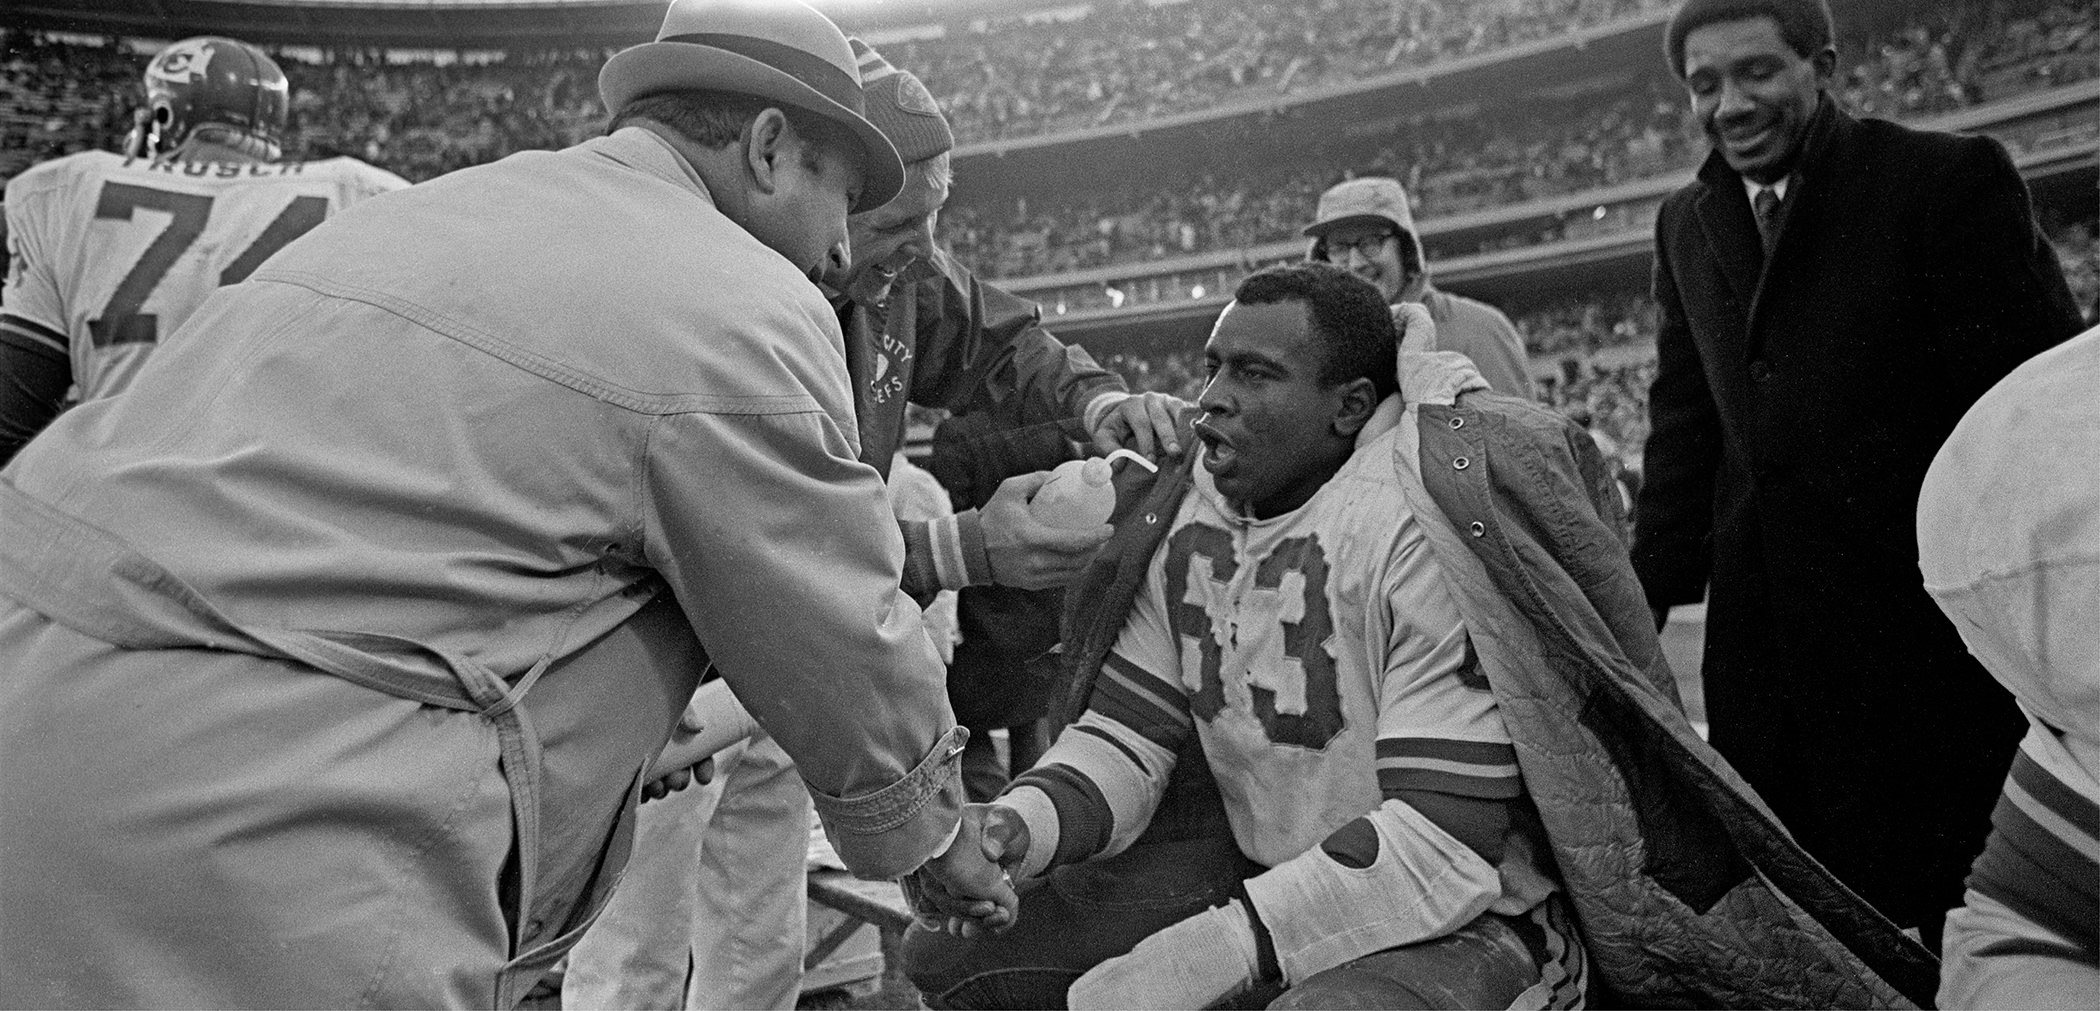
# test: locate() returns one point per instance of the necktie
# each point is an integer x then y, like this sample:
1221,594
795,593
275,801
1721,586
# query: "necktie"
1766,207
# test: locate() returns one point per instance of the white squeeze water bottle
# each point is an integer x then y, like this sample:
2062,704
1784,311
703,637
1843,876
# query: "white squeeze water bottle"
1081,493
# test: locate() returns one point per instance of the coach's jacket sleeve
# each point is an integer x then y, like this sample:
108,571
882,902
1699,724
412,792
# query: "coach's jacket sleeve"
1672,545
783,551
983,348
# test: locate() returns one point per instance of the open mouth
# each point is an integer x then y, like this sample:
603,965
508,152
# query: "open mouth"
1219,456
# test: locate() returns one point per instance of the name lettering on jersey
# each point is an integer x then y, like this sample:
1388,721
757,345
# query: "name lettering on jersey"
1259,648
218,169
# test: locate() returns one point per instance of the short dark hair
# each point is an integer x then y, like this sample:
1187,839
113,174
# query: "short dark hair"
1351,317
717,118
1805,25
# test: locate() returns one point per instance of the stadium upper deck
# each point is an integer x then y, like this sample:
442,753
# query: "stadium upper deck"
1244,101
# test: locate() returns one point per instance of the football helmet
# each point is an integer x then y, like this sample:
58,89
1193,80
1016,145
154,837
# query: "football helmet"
230,90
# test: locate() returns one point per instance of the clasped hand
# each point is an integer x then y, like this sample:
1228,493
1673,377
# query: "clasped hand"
968,890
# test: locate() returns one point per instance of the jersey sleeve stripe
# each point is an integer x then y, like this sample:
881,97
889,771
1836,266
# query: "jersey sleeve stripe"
1445,780
2036,872
1483,769
2054,803
1153,707
32,335
1447,749
1084,820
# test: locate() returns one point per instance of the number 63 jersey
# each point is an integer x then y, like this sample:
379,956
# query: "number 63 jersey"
1318,655
108,255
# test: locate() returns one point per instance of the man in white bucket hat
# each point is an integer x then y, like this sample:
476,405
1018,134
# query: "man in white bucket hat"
1366,227
333,654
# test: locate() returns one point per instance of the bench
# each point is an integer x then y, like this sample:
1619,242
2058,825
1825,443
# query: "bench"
861,904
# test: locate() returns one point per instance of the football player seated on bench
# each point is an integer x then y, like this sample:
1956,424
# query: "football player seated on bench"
1294,636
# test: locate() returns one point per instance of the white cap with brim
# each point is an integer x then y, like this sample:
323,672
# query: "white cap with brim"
1356,201
779,50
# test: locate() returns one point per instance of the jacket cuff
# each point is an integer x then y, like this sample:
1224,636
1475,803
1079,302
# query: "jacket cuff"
945,554
890,832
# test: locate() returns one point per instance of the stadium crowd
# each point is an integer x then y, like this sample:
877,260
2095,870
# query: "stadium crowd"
422,119
1504,156
1519,152
1021,77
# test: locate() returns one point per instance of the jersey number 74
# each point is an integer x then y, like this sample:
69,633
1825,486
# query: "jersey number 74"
121,321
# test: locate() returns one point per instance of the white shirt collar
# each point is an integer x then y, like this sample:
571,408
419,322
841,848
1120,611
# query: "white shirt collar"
1778,189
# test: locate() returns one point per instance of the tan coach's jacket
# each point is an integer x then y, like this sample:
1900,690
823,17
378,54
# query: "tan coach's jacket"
440,448
1688,891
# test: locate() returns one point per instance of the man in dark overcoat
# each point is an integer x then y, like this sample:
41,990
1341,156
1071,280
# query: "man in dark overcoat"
1834,293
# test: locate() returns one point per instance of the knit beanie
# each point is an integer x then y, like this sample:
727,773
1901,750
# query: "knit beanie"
901,107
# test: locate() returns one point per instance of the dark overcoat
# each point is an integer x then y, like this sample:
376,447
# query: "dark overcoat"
1797,403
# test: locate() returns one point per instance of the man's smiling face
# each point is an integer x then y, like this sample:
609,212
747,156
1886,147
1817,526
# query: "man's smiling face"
886,240
1753,95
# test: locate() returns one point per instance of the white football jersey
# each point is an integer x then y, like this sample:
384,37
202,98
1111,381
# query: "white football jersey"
1318,655
108,255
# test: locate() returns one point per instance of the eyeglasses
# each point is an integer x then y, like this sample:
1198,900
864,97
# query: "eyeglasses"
1369,246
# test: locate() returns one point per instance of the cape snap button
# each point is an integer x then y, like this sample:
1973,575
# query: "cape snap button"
1479,529
1461,463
